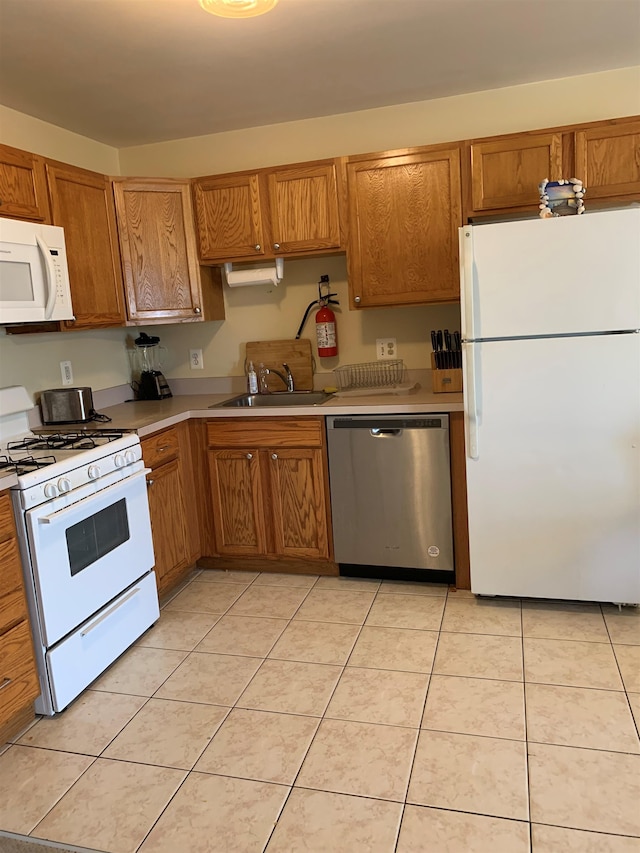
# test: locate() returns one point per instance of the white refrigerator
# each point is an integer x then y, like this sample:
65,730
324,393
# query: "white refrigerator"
551,371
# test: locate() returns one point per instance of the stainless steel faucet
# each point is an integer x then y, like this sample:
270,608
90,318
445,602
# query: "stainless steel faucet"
287,378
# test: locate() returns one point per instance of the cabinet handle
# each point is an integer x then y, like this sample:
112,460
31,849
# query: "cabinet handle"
150,483
249,455
197,310
5,683
356,299
276,247
257,247
274,455
162,449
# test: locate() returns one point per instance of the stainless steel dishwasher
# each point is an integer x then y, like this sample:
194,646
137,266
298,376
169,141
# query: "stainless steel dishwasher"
391,495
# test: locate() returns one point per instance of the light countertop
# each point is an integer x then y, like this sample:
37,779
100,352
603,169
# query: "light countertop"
7,481
148,416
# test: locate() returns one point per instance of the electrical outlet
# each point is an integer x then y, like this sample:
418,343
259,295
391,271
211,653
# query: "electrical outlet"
195,359
386,348
66,372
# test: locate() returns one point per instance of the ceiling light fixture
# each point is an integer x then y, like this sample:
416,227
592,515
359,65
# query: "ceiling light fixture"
238,8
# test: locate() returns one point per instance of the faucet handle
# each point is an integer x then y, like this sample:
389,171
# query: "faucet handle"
287,370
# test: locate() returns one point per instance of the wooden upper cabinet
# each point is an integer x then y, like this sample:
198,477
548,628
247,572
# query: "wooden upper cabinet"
23,186
506,172
163,281
303,206
608,160
82,203
289,210
228,217
404,215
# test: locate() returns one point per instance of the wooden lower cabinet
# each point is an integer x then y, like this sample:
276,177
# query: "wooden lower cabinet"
18,675
269,488
173,518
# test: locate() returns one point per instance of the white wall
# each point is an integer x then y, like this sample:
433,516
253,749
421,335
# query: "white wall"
255,313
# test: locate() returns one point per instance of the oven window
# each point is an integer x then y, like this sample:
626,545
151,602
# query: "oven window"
95,536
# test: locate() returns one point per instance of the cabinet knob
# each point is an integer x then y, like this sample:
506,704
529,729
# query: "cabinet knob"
276,247
257,247
356,299
197,310
274,455
249,455
150,483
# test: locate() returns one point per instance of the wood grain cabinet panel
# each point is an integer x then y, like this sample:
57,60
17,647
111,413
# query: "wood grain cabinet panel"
269,496
229,217
289,210
506,172
171,504
608,160
18,677
82,203
299,512
238,502
23,186
163,281
303,204
404,215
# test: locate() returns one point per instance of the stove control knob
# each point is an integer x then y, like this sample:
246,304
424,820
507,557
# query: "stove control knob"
50,491
119,461
130,457
93,472
64,484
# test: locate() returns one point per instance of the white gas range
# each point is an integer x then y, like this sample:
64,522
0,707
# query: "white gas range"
82,516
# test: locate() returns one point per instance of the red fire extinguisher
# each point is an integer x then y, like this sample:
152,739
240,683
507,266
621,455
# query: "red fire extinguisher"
326,331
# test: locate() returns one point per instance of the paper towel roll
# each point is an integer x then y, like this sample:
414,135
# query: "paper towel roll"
263,275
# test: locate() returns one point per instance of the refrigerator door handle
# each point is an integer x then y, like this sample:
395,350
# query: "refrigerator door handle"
466,283
471,400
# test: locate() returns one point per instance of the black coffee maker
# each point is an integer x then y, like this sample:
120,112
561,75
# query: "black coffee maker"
149,382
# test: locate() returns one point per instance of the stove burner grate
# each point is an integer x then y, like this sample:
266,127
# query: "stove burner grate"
24,465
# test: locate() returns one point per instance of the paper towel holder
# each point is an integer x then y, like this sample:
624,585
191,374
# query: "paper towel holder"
275,273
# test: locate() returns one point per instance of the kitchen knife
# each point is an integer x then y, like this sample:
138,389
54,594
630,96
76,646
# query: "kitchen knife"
439,357
434,341
447,346
457,340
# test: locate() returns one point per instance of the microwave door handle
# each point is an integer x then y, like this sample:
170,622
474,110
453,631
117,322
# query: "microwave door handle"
61,514
50,278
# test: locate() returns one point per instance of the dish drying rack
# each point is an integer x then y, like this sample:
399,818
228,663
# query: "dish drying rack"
386,377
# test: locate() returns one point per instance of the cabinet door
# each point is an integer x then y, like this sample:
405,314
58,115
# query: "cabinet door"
608,160
23,187
82,203
299,503
238,505
229,217
506,173
168,522
303,203
404,215
157,242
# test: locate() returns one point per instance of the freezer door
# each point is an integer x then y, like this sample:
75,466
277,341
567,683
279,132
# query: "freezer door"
554,490
565,275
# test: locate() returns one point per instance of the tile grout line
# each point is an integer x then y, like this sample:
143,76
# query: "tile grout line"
526,732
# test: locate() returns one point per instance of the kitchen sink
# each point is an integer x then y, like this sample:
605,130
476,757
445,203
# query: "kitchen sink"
276,398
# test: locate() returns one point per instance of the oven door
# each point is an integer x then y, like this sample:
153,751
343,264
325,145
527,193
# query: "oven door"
84,554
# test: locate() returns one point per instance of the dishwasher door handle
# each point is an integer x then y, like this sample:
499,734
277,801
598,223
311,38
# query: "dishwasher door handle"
377,432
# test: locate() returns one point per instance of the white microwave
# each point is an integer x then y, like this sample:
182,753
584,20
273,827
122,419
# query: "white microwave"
34,278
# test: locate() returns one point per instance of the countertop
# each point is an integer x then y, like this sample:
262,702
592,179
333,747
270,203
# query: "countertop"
148,416
7,481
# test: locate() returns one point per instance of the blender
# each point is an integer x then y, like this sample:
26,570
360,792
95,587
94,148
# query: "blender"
149,383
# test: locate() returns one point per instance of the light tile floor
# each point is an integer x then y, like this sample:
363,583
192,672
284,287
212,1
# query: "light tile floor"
283,713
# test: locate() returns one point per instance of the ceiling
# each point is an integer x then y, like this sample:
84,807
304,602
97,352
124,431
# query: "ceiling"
128,72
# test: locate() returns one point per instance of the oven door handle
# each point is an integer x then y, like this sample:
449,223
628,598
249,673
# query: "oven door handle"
61,514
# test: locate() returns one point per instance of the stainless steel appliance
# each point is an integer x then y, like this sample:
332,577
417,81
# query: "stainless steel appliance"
82,516
391,495
34,278
66,405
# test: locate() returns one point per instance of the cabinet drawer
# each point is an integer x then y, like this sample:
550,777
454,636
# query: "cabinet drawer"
10,567
18,678
160,448
13,609
265,432
7,526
